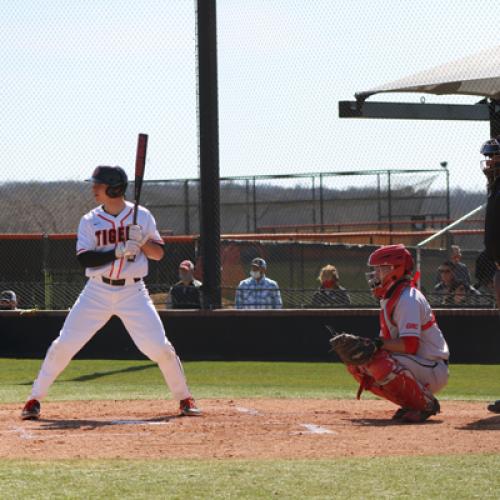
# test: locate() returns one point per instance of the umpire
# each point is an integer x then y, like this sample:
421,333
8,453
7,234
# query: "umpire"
491,169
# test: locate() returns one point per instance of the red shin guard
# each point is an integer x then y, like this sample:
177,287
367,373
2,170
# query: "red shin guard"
386,378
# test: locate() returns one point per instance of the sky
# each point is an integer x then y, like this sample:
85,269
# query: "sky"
81,79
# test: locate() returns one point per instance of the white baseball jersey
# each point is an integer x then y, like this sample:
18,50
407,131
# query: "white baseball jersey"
100,231
412,316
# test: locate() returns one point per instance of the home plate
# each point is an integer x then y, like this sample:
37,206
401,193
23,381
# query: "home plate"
316,429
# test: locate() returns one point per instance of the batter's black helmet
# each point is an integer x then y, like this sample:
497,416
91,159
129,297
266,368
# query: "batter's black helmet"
114,177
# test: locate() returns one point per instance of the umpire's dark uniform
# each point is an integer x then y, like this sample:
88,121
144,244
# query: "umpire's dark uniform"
492,230
491,168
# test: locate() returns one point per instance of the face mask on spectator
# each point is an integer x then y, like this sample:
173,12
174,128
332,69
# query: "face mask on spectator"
185,276
255,274
328,283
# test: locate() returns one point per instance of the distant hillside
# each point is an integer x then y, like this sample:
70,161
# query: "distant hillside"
56,207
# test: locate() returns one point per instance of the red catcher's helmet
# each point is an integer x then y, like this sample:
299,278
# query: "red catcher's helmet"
400,261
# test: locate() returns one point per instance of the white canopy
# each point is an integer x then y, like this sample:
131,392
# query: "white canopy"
478,74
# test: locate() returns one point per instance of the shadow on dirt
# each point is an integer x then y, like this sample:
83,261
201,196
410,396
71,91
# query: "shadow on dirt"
387,422
485,424
83,424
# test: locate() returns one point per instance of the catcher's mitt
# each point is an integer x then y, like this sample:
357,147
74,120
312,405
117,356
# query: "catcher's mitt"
354,350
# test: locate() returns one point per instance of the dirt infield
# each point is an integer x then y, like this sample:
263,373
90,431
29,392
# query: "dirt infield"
254,428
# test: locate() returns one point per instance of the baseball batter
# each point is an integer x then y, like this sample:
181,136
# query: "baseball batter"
408,363
115,256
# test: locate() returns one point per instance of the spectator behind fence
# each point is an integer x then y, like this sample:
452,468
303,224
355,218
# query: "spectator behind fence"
446,282
454,292
330,293
461,271
258,291
186,293
462,295
8,301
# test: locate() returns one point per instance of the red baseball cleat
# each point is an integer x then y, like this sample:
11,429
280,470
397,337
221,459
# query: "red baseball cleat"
31,410
416,416
188,407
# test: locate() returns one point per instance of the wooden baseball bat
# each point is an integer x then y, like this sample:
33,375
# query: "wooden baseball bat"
140,165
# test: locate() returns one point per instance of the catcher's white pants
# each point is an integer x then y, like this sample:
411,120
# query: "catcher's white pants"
434,374
93,308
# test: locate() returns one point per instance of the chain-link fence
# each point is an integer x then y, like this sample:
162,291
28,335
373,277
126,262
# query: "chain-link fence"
80,80
44,273
465,275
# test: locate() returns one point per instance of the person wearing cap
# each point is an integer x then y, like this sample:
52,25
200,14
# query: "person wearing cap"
8,301
491,169
186,293
258,291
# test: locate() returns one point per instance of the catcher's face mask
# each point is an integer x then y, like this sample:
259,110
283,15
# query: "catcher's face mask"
380,279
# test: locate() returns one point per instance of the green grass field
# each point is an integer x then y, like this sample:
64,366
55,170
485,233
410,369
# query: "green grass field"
104,379
460,476
472,476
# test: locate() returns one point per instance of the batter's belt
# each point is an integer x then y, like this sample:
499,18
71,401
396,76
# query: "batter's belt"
118,282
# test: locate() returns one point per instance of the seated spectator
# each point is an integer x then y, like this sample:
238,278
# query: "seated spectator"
258,291
330,293
453,292
462,295
446,280
186,293
8,301
460,270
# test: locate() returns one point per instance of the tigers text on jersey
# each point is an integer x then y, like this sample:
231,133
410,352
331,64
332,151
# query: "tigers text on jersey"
101,232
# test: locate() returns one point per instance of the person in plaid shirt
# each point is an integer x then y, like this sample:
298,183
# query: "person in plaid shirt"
258,291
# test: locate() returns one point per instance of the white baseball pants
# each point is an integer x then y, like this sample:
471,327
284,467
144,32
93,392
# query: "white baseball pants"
93,308
434,374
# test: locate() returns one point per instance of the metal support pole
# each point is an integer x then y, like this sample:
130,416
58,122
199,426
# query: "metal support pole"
389,202
379,201
209,152
419,265
247,203
254,196
448,206
448,203
187,228
313,200
47,275
321,202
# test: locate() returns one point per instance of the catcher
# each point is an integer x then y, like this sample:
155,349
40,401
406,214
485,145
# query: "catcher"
408,363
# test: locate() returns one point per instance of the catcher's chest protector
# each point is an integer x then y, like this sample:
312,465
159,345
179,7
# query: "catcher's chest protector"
386,311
